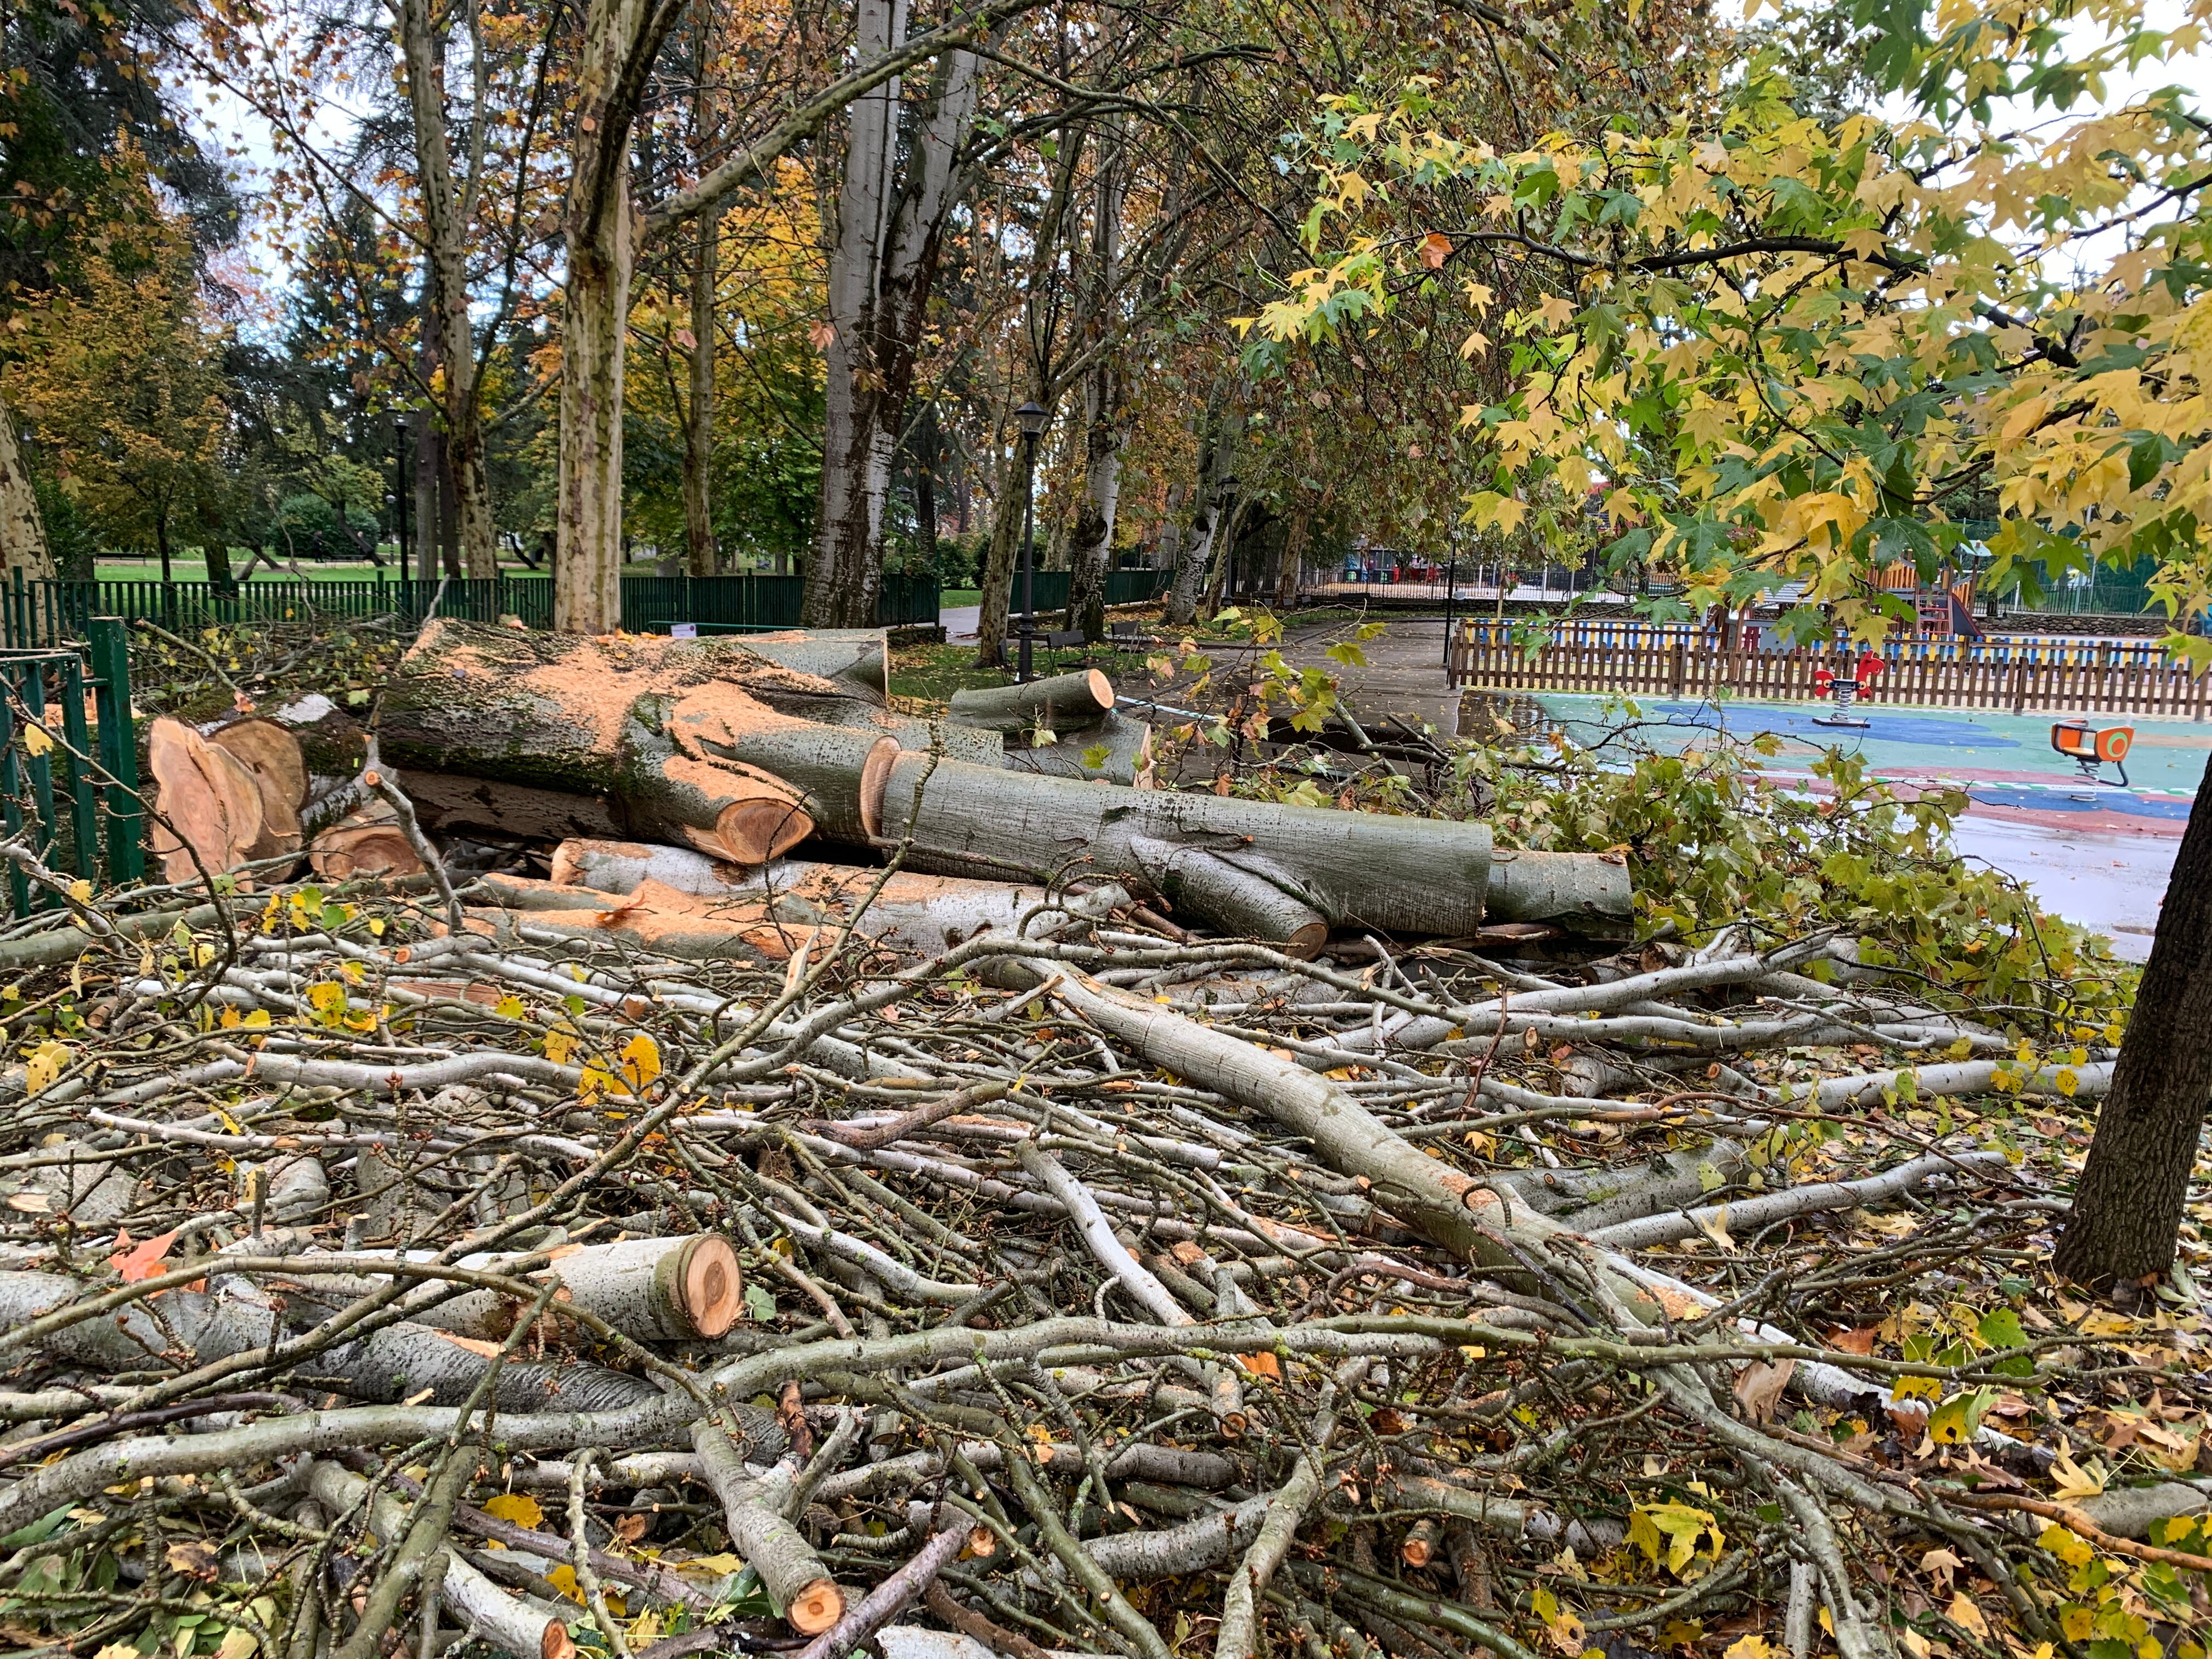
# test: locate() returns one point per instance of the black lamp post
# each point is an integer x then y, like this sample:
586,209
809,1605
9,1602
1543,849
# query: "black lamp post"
1032,416
1227,496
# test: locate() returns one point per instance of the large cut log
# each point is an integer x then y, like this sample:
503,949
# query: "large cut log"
367,844
1066,725
682,904
1063,701
1400,874
207,803
692,740
655,1290
280,772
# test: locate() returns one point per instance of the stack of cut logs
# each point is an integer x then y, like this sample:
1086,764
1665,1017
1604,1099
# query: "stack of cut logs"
676,775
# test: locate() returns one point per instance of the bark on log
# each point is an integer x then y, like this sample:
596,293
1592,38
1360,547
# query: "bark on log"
396,1363
687,906
652,1289
789,1569
1399,875
1116,749
1238,900
1081,699
553,735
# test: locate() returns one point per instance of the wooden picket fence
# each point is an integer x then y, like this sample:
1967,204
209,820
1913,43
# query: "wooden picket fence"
1688,666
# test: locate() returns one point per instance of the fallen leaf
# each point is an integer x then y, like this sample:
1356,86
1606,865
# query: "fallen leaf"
1966,1616
2074,1481
1759,1387
195,1557
1860,1342
519,1508
143,1261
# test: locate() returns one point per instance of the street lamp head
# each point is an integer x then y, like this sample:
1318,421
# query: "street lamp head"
1228,487
1033,417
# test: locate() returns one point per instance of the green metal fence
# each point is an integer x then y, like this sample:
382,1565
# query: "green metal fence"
1122,587
40,615
69,781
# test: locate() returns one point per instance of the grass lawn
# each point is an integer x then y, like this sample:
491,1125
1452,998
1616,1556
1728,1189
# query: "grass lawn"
949,596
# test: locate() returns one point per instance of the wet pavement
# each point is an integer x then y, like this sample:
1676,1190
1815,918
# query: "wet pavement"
2095,853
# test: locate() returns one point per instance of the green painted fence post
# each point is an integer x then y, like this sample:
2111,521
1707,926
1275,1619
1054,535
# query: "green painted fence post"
109,643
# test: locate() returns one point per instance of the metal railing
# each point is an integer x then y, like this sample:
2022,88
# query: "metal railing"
69,774
1698,663
1753,638
38,615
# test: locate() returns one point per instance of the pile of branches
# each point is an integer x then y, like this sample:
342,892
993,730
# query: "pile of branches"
386,1275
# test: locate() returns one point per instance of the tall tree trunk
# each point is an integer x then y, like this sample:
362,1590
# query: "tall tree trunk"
1297,536
448,207
449,512
997,577
162,540
924,453
1091,541
2128,1208
23,545
1194,555
699,410
882,265
621,39
1216,452
845,574
701,557
430,467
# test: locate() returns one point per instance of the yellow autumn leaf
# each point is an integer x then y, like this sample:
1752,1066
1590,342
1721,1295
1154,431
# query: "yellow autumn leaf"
519,1508
43,1065
37,740
559,1045
509,1006
2074,1481
81,891
641,1061
1963,1612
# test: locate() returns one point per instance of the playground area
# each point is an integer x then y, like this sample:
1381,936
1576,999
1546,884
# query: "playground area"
2097,852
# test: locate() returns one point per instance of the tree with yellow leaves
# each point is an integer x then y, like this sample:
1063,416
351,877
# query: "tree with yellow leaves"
1784,351
119,381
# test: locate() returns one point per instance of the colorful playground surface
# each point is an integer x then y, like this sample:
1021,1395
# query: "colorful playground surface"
2096,853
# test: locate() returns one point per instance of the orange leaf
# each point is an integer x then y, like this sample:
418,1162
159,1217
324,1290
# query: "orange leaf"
1436,248
1859,1342
141,1260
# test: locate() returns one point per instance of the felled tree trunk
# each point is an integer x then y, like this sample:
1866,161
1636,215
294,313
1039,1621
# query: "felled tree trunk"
1068,726
781,904
1064,700
1400,874
511,733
